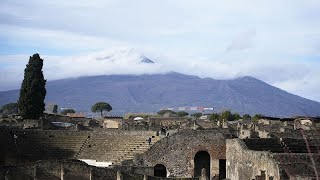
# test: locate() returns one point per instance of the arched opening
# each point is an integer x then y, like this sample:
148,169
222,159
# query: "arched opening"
160,170
202,160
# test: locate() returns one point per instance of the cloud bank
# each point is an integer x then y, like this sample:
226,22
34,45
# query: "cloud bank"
297,78
275,41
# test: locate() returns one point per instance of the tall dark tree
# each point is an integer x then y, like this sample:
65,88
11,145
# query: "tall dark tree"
32,93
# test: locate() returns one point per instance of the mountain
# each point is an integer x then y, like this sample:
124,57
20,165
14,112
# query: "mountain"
149,93
146,60
125,55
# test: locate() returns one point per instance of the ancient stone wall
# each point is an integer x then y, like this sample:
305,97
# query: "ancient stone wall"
155,123
51,170
243,163
177,152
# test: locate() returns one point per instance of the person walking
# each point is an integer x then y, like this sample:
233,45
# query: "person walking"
149,140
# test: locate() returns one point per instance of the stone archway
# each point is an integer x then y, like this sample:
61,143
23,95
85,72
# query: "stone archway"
202,160
160,170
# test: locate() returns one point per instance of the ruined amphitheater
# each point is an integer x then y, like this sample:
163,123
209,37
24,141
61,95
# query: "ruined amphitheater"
117,148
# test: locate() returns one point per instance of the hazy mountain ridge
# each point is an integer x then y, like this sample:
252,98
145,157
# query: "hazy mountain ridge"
149,93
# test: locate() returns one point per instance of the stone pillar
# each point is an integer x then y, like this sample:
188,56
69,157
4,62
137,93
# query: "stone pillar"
145,177
35,173
119,175
285,123
214,167
203,174
41,123
224,123
91,173
6,175
61,172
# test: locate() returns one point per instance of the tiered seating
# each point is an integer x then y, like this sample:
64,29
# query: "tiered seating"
38,145
115,148
299,164
272,145
138,146
302,145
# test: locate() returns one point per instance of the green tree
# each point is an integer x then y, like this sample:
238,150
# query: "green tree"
66,111
32,93
214,117
226,115
165,111
100,107
182,113
10,108
236,116
246,117
256,117
196,115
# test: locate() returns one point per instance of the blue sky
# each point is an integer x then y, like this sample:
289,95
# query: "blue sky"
275,41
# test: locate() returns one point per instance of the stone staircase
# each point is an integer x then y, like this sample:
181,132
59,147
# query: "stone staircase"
115,148
84,144
131,149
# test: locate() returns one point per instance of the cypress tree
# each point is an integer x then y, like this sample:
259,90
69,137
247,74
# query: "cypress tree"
32,93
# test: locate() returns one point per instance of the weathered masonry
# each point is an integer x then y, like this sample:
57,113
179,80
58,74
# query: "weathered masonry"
186,153
272,159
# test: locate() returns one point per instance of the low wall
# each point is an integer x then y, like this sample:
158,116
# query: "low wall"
70,170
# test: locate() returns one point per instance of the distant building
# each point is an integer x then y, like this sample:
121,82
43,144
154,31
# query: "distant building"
78,115
52,108
112,122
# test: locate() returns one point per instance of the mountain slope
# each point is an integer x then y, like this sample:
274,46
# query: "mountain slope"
149,93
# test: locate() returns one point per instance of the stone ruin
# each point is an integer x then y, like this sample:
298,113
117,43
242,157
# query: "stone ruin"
195,149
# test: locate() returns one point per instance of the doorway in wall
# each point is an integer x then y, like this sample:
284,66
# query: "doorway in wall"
202,160
222,169
160,170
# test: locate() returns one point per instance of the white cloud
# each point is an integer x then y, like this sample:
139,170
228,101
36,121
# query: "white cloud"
243,40
55,39
276,41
